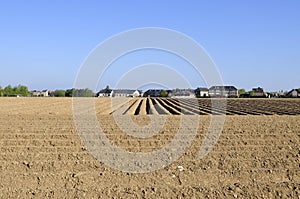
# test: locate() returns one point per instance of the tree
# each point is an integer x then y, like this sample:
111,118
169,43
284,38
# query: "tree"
88,93
251,93
14,91
8,91
242,91
70,92
107,88
22,90
79,92
1,91
59,93
163,93
298,90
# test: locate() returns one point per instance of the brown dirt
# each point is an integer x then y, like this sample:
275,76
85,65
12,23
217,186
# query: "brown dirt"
41,155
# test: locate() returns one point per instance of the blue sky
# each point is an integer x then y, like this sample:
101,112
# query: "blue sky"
253,43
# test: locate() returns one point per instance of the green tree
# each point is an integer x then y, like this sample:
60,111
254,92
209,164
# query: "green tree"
79,93
8,91
70,92
88,93
251,93
242,91
107,87
1,91
59,93
298,90
22,90
14,91
163,93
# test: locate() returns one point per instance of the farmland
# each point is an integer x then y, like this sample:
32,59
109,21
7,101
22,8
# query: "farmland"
257,154
190,106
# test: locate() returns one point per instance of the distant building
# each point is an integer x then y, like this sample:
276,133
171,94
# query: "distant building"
152,93
258,92
223,91
293,93
126,93
35,93
202,92
118,93
45,93
183,93
105,93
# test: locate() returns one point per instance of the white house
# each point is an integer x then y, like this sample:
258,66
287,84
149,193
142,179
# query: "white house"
202,92
125,93
119,93
183,93
105,93
293,93
223,91
45,93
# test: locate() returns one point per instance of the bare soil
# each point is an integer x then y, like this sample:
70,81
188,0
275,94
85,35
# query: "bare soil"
256,156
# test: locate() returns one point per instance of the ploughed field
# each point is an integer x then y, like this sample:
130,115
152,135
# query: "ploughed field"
190,106
257,154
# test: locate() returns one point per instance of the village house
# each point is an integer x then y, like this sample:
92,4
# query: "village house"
118,93
223,91
183,93
43,93
202,92
152,93
126,93
293,93
258,92
35,93
105,93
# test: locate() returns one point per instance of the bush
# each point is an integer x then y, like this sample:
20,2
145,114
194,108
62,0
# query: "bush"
163,93
59,93
79,93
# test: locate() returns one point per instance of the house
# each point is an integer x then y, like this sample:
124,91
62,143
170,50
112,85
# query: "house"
153,93
45,93
293,93
258,92
157,93
118,93
105,93
169,93
126,93
231,91
183,93
223,91
36,93
202,92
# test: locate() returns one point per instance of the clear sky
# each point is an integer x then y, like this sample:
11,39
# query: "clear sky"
253,43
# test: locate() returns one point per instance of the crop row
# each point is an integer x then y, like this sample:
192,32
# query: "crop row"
188,106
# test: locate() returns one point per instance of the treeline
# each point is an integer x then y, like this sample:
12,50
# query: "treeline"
10,91
22,91
79,93
73,92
